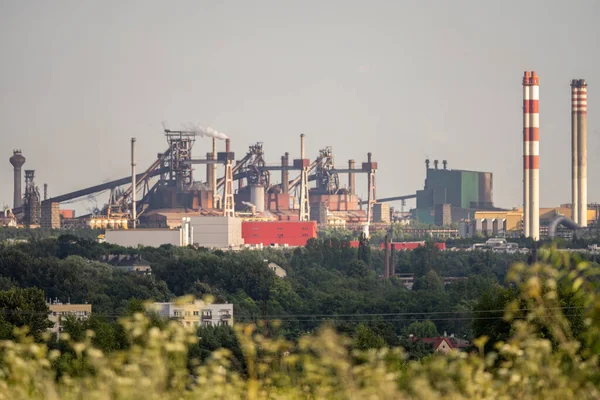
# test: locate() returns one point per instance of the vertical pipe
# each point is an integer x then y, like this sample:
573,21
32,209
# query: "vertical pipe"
133,185
45,191
526,135
285,174
18,200
351,178
393,259
213,172
534,163
386,258
228,145
302,146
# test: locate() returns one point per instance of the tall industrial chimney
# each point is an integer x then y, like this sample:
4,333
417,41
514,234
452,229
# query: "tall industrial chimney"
133,185
17,161
579,151
531,153
302,146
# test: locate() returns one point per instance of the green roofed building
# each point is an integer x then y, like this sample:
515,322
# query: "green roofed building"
453,191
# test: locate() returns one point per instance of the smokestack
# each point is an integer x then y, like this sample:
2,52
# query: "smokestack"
228,145
427,163
435,164
351,178
579,151
386,258
133,185
445,164
302,146
17,161
531,152
45,191
393,260
285,174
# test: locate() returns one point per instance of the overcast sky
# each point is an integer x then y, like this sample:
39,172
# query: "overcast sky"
404,80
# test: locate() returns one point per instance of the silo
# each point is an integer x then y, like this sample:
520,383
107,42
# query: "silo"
257,197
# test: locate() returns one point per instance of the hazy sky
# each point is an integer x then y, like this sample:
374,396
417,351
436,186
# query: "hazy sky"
405,80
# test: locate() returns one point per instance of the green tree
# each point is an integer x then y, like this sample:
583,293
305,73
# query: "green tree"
364,250
365,338
24,307
430,282
423,329
358,269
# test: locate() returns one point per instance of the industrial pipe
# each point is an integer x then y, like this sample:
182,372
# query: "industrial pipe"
285,174
133,185
561,220
386,257
302,146
351,178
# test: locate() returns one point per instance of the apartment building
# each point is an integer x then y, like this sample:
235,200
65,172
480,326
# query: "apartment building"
196,313
59,311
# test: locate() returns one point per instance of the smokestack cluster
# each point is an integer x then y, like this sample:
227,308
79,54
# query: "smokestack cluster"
579,151
531,153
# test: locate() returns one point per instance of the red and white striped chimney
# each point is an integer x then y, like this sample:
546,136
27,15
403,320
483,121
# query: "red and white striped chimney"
531,153
579,150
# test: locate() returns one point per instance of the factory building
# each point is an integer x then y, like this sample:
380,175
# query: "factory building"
278,233
452,195
210,232
511,222
216,232
143,237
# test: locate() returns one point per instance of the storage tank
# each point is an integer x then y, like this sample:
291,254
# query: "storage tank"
257,197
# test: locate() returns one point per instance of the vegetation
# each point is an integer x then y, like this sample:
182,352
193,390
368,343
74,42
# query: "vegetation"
331,329
541,357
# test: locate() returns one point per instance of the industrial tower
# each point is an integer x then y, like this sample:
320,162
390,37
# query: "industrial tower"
579,151
17,161
531,155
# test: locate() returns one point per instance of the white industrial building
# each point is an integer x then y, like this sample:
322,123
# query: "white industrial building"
216,232
200,231
143,237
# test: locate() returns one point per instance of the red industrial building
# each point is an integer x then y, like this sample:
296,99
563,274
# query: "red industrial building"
292,233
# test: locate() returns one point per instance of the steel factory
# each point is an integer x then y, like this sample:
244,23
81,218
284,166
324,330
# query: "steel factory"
182,198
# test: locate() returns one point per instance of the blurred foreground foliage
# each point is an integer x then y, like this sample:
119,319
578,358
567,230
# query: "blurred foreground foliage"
541,356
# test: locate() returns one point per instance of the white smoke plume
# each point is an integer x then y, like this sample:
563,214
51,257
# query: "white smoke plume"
201,131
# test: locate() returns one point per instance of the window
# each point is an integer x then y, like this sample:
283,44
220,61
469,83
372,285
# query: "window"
196,313
206,314
206,323
187,313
